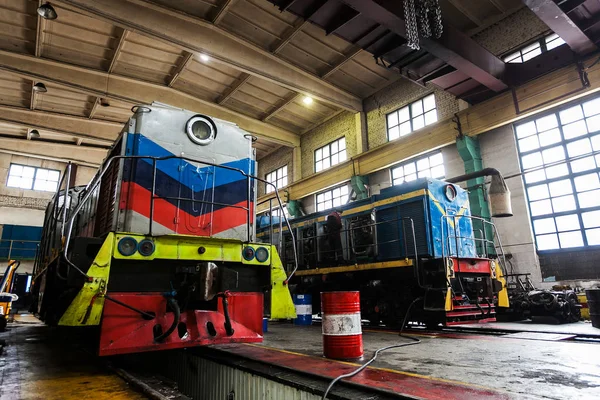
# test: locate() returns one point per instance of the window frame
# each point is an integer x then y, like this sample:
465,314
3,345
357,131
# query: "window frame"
411,117
543,46
269,188
570,175
35,173
332,197
415,160
328,146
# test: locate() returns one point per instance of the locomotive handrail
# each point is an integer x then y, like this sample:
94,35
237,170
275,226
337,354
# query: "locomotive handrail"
98,178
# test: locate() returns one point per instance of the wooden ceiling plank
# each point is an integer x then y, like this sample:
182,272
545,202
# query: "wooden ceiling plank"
222,11
234,88
339,65
290,36
197,35
94,108
41,27
189,57
101,84
122,38
466,12
281,106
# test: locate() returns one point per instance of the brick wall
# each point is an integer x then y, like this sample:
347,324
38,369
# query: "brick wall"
273,161
396,96
511,33
342,125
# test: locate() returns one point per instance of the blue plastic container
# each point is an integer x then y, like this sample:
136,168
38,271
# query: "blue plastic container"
303,303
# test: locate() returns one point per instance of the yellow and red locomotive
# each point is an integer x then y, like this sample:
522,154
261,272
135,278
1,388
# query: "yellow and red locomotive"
158,251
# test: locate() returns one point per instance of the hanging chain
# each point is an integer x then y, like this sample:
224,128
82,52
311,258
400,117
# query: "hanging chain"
436,16
412,32
422,17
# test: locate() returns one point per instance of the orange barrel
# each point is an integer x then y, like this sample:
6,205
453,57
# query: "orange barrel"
342,333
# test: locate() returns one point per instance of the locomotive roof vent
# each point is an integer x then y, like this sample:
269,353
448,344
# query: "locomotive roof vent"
201,130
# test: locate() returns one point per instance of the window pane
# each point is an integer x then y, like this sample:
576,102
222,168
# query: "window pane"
431,117
532,160
514,57
570,239
593,124
549,137
560,188
326,163
579,147
319,154
545,225
342,143
405,128
557,171
422,164
14,181
342,155
325,151
553,154
318,166
589,199
403,114
410,177
26,183
546,123
531,54
394,133
554,43
567,223
418,122
16,170
583,164
535,176
525,130
538,192
596,142
529,143
410,168
41,174
547,242
429,102
575,129
392,119
564,203
334,147
587,182
28,172
436,159
542,207
571,114
593,236
416,108
335,159
591,107
397,172
591,219
424,174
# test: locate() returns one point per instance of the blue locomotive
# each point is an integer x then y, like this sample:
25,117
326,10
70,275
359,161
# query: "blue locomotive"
414,240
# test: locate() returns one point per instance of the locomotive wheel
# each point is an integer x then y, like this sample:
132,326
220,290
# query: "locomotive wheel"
3,323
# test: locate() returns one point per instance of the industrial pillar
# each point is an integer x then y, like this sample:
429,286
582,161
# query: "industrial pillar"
469,151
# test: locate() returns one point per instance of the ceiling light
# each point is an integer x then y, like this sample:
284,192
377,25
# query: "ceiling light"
307,100
40,88
34,133
204,57
46,11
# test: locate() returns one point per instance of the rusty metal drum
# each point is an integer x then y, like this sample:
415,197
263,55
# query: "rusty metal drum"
342,333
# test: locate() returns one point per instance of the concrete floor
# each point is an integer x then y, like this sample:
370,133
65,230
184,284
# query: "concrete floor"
40,364
522,368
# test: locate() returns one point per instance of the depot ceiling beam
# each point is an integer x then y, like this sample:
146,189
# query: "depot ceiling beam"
222,11
557,20
122,37
200,36
70,126
82,155
454,47
112,86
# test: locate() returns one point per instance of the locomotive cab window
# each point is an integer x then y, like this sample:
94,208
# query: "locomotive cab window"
33,178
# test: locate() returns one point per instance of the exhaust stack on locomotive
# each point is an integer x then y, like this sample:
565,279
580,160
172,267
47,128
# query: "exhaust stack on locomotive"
159,250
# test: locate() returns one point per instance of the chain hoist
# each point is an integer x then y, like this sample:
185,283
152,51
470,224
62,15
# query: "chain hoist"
422,17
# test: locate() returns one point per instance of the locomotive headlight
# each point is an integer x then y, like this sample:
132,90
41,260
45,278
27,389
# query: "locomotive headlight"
127,246
146,247
201,130
248,253
262,254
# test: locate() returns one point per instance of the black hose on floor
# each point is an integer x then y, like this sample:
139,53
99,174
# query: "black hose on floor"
395,346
